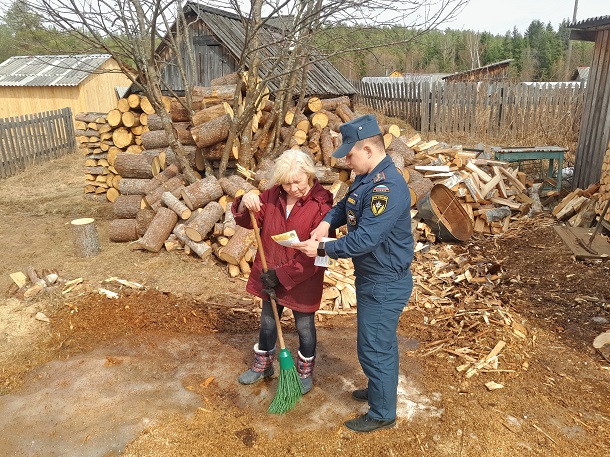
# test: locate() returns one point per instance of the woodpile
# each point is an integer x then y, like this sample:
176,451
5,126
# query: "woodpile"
604,190
581,207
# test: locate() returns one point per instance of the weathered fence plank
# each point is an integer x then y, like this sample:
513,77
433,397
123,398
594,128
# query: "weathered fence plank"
35,138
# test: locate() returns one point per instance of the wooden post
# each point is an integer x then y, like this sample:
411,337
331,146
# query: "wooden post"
86,240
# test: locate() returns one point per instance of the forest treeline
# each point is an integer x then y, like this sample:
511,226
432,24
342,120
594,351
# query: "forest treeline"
541,53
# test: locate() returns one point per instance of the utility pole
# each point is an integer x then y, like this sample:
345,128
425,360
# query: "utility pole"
569,53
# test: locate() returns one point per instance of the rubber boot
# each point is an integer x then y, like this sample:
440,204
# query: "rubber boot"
305,367
261,368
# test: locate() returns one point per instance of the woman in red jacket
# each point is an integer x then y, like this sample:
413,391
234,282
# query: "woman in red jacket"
296,201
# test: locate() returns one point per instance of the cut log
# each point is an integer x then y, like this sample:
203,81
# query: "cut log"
154,122
212,132
326,175
134,165
202,249
237,246
155,139
123,230
199,226
127,206
168,173
133,186
122,137
326,145
345,113
143,220
235,185
173,185
146,106
331,104
201,192
400,146
175,205
159,229
211,112
85,238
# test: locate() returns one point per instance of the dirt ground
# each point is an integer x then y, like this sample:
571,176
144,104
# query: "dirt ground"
188,334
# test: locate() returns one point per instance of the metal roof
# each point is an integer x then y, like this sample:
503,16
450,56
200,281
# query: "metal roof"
323,78
64,70
587,29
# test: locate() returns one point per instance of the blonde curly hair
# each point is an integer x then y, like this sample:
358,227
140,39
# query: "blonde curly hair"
291,163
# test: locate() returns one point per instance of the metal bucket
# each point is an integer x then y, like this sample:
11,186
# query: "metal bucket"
445,215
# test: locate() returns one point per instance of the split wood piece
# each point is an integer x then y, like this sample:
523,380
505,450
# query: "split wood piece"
133,186
143,220
212,132
134,165
201,192
33,276
173,185
158,230
339,190
123,230
489,186
175,205
198,227
237,246
345,113
202,249
480,173
122,137
574,205
164,176
112,194
155,139
211,112
127,206
425,146
513,180
574,194
485,360
146,106
233,270
172,243
585,216
244,266
85,237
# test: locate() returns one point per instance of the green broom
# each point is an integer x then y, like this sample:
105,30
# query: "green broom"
289,386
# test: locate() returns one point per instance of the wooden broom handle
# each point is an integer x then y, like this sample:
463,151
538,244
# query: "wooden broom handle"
261,252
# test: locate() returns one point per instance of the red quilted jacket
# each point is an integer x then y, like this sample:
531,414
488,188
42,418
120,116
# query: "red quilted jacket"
301,281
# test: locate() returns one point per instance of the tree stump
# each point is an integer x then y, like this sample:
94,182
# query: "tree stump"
237,246
123,230
84,235
201,192
159,229
199,226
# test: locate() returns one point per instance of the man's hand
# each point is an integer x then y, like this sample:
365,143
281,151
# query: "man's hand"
309,247
321,231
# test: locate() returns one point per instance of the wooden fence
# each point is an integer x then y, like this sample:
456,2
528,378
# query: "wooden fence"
501,111
34,138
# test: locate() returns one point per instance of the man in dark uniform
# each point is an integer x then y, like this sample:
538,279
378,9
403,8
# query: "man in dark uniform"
376,210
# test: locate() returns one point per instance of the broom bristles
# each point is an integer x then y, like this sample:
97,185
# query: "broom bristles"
289,391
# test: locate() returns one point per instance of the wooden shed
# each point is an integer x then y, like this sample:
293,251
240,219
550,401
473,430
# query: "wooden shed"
218,40
35,84
595,123
498,71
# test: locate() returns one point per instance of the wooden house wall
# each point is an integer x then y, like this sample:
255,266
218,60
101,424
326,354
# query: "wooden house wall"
595,124
212,60
95,94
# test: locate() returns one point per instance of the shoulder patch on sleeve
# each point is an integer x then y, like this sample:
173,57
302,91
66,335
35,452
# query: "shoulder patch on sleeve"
381,188
379,203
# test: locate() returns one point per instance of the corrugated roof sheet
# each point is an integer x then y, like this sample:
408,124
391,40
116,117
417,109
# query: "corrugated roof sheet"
64,70
484,67
600,21
323,78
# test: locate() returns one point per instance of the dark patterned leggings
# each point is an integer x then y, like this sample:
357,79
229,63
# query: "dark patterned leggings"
304,322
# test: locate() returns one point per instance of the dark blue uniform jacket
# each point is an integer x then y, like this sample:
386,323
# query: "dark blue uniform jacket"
377,212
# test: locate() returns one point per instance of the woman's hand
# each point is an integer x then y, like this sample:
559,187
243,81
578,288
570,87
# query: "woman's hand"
251,202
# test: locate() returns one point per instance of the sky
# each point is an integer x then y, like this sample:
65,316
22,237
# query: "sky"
499,16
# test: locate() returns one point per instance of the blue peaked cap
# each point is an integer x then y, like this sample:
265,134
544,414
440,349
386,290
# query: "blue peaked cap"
356,130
